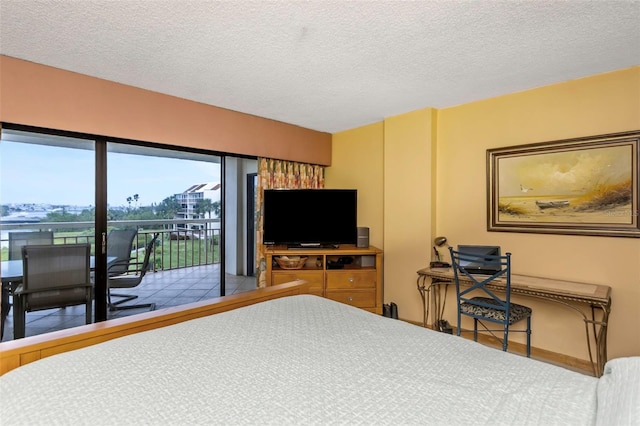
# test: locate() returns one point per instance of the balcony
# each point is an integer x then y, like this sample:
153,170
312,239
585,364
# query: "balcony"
185,268
177,246
164,288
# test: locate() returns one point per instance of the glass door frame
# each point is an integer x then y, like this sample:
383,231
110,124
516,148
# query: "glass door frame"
100,219
101,205
100,272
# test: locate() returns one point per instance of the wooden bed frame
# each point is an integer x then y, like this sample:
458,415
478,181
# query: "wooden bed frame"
19,352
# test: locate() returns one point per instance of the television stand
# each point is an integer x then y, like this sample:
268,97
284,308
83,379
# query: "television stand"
305,246
347,274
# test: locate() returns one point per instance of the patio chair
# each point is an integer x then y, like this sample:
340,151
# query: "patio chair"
119,245
131,278
54,276
22,238
16,241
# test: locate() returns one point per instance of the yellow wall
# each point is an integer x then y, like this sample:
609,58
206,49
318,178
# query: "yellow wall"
360,165
402,148
600,104
408,145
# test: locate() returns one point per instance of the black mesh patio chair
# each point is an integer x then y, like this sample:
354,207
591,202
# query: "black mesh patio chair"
22,238
54,276
488,307
120,245
133,276
17,240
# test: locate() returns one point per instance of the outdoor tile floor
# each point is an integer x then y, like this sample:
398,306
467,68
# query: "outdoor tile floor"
165,289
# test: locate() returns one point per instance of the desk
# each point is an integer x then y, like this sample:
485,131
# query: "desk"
597,297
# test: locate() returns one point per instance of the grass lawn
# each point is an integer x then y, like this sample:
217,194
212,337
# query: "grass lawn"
169,254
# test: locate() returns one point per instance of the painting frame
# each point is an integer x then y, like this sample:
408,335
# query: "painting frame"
579,186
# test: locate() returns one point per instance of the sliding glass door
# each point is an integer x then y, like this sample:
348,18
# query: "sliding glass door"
183,214
175,195
46,189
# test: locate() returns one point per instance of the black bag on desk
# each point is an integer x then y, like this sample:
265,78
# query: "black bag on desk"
390,310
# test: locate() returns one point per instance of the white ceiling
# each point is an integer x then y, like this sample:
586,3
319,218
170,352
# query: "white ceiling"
326,65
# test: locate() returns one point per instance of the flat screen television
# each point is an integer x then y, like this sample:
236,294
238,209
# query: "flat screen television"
477,263
310,217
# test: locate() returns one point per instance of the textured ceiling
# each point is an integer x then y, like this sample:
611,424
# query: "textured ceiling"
326,65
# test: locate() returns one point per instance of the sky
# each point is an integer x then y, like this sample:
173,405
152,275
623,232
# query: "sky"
564,173
41,174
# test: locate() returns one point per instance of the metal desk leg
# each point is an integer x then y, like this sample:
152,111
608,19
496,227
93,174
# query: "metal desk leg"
600,335
599,330
438,301
425,295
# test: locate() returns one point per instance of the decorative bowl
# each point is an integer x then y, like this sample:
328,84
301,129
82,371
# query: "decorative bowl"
291,262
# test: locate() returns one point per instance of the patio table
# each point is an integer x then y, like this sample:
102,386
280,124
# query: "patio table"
12,269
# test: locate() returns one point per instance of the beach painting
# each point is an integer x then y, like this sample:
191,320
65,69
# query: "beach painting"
585,186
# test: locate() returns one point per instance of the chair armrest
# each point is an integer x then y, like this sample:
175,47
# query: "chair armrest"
120,263
138,268
18,291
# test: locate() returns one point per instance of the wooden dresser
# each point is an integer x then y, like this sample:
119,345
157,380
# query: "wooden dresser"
347,274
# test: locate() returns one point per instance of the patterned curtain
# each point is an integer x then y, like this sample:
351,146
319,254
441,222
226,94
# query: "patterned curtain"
280,174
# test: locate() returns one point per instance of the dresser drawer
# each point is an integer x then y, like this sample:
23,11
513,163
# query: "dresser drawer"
351,279
357,298
315,278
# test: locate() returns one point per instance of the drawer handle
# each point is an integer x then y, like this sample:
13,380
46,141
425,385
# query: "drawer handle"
350,280
350,299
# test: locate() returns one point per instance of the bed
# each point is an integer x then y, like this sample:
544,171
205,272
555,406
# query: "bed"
285,357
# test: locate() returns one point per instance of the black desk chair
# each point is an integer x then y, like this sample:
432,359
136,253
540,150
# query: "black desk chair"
54,276
488,307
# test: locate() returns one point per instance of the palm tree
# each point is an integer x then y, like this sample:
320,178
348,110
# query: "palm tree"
205,205
168,208
215,208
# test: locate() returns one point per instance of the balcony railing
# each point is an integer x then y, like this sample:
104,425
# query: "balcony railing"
176,246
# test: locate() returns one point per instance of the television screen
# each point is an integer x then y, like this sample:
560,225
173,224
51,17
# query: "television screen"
477,263
310,217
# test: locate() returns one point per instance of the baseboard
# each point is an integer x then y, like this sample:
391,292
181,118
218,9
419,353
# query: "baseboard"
572,363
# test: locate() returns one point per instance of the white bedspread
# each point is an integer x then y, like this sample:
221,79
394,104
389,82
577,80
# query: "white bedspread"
296,360
619,393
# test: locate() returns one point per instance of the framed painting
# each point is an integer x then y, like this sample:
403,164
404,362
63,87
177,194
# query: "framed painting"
582,186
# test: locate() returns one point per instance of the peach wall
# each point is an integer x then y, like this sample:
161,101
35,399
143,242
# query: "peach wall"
37,95
454,164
